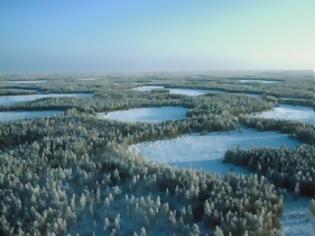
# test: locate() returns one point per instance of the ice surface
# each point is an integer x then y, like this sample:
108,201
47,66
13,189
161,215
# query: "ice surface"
13,99
148,88
87,79
290,112
180,91
296,218
26,81
18,115
206,151
146,114
215,165
190,91
244,81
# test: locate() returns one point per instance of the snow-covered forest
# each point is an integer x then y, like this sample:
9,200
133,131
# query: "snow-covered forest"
74,173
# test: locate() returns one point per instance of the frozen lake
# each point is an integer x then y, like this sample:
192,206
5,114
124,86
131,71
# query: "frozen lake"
146,114
148,88
19,115
87,79
13,99
296,218
245,81
205,152
180,91
26,81
190,91
290,112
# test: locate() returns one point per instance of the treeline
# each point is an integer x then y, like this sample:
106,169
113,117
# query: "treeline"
78,123
298,130
116,99
301,102
290,169
9,92
103,84
215,113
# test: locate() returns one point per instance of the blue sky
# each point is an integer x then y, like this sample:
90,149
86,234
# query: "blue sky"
147,35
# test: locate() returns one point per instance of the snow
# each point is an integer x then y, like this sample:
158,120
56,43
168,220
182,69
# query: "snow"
290,112
190,91
146,114
206,151
13,99
179,91
17,115
296,218
148,88
26,81
215,165
244,81
87,79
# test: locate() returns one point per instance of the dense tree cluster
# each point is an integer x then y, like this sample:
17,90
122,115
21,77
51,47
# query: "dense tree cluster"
58,185
16,91
301,131
290,169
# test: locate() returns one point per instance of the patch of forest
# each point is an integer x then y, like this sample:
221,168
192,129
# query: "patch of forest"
290,169
298,130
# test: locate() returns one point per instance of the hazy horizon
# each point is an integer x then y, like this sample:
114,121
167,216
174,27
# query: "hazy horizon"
144,36
218,73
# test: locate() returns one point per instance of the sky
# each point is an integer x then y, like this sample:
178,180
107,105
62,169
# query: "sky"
154,35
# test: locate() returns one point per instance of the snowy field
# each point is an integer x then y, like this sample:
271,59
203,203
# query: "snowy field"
245,81
18,115
13,99
290,112
205,152
146,114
